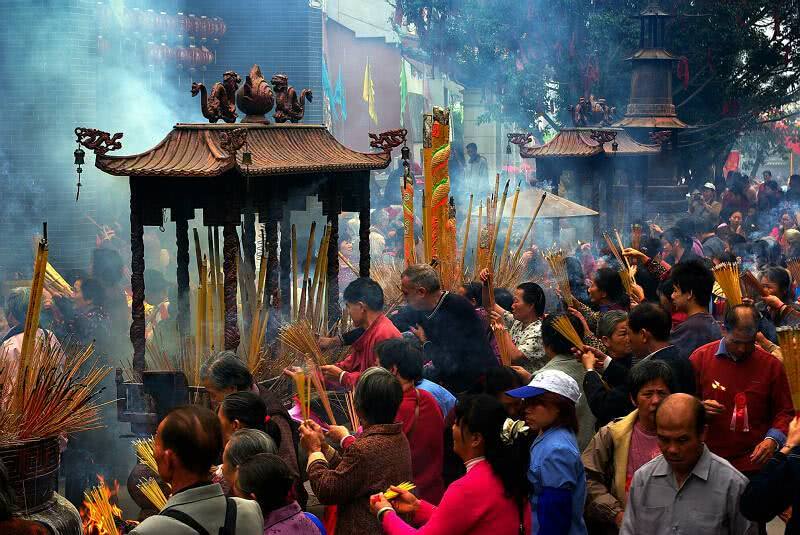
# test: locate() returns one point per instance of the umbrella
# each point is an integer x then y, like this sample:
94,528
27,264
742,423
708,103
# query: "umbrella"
554,206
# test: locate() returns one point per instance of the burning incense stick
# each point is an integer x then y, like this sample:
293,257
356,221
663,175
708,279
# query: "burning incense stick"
302,393
152,491
557,261
754,288
636,236
295,308
355,423
306,270
466,236
104,512
727,276
789,340
567,330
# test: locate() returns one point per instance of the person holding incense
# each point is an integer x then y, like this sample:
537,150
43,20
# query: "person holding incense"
364,300
556,472
692,283
606,380
777,486
648,330
266,479
422,419
676,246
560,357
605,293
621,447
450,332
745,392
225,373
491,498
522,327
378,457
188,441
777,304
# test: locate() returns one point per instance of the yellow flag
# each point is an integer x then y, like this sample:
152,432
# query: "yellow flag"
368,93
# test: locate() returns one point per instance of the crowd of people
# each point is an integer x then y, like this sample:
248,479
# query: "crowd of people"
673,415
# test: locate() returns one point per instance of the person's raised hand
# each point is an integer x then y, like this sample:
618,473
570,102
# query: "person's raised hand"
524,374
311,436
634,253
713,407
378,502
772,301
485,276
337,432
575,312
292,371
331,371
419,332
793,438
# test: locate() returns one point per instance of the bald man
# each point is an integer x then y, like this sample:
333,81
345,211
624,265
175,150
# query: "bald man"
687,489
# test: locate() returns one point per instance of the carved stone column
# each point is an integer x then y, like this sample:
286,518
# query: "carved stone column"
137,332
182,274
230,251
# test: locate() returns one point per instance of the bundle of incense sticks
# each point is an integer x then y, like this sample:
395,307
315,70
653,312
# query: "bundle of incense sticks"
557,261
388,275
727,276
793,264
152,491
303,393
299,336
626,271
405,485
502,346
55,392
518,252
789,340
355,423
105,514
751,284
636,236
567,330
54,281
145,452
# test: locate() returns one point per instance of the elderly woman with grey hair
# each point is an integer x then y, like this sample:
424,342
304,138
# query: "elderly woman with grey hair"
378,457
242,446
605,382
225,374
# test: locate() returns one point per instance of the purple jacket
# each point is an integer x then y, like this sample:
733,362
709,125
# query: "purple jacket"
289,520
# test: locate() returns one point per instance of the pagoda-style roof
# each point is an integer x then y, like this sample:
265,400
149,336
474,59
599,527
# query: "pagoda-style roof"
651,122
201,150
580,143
653,53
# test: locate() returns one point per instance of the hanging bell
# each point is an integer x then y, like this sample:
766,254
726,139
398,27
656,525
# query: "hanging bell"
247,158
508,148
614,146
79,156
405,153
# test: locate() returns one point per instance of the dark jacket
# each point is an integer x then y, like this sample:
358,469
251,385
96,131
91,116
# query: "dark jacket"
773,489
457,344
683,376
697,330
378,458
607,394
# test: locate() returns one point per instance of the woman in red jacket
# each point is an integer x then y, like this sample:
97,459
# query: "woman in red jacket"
492,498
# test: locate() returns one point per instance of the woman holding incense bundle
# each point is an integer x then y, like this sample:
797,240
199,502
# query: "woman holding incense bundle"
493,496
364,300
605,293
521,328
378,457
777,303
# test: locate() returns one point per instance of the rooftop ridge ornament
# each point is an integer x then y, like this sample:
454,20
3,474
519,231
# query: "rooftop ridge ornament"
220,104
288,105
519,138
660,137
592,112
233,140
98,141
255,98
603,136
386,141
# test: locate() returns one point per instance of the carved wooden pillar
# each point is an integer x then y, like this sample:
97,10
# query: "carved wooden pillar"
363,231
271,236
230,251
182,274
334,207
249,253
137,332
286,261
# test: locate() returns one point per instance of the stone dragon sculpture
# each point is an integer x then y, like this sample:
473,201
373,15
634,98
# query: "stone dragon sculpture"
289,107
221,103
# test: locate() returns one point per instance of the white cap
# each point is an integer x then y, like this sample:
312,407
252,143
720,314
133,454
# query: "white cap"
709,185
554,381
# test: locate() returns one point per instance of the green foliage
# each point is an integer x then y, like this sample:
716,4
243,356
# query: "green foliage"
539,56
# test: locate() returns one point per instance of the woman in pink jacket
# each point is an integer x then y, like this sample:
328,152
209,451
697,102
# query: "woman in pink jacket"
492,498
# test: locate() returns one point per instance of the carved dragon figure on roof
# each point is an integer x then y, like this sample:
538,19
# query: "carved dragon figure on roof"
289,107
220,104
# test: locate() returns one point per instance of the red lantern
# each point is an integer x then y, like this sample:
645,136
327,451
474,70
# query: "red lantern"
149,21
182,55
161,23
207,56
223,27
192,55
203,27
